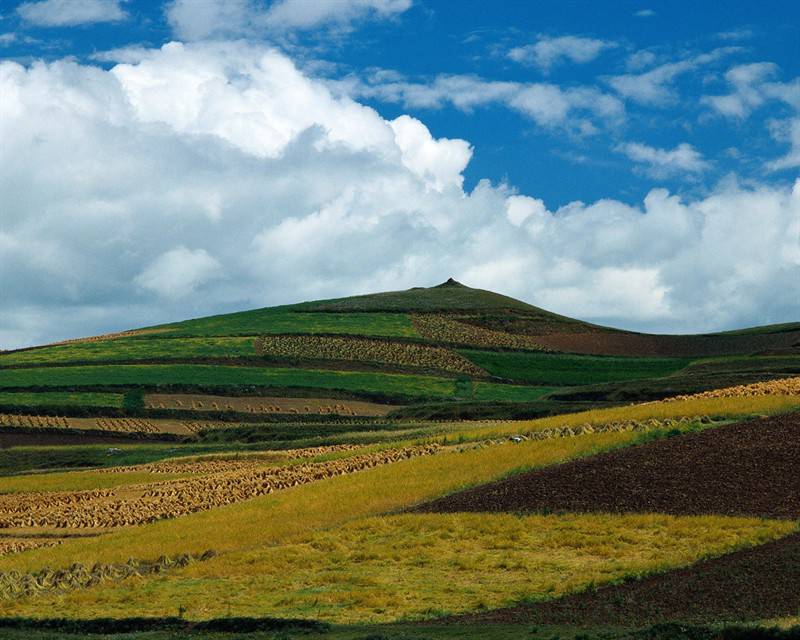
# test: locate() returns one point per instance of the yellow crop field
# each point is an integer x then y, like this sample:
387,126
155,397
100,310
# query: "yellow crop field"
780,387
134,505
283,515
418,566
721,407
441,328
366,350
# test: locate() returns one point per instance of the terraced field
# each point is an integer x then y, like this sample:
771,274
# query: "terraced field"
361,462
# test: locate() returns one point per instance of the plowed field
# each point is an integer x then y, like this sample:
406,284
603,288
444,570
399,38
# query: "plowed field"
750,468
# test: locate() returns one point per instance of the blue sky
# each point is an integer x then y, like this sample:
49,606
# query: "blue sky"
574,154
431,39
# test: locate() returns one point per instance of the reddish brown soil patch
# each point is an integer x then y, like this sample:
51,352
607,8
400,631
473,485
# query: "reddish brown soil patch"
750,468
636,344
752,584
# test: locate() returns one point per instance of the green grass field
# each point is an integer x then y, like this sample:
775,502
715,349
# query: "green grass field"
122,349
60,399
390,384
285,320
564,369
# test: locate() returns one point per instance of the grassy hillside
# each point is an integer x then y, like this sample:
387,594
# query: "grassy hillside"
418,348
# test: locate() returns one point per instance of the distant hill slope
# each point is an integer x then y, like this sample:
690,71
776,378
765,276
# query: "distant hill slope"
392,314
444,351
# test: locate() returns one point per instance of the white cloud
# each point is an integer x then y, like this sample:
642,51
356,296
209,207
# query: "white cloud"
178,272
299,14
662,163
640,60
7,39
68,13
439,163
576,109
547,52
522,208
747,94
645,13
191,21
788,131
655,87
215,177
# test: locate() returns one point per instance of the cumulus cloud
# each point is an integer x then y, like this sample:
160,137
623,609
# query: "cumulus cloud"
178,272
191,20
577,109
70,13
662,163
546,52
197,179
439,163
655,87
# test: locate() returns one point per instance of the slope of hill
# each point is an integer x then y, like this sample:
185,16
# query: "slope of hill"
442,351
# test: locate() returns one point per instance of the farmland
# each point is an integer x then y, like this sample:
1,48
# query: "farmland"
406,463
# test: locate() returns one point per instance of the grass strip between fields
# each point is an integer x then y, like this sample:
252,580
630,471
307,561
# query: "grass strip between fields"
61,399
567,369
391,384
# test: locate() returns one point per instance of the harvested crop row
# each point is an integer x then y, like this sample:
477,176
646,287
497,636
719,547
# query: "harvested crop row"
258,404
16,545
366,350
127,425
117,425
22,503
781,387
212,464
35,422
610,427
181,497
79,576
443,329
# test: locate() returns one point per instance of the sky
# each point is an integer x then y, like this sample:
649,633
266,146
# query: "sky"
630,163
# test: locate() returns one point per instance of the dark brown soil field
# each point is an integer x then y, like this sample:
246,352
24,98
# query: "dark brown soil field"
750,468
639,344
753,584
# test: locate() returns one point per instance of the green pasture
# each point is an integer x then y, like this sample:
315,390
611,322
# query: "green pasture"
563,369
282,320
387,384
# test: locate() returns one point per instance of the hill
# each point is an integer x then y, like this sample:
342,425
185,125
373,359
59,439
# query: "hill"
448,351
308,470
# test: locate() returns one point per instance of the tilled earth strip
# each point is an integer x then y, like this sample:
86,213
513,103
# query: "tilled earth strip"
746,469
752,584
